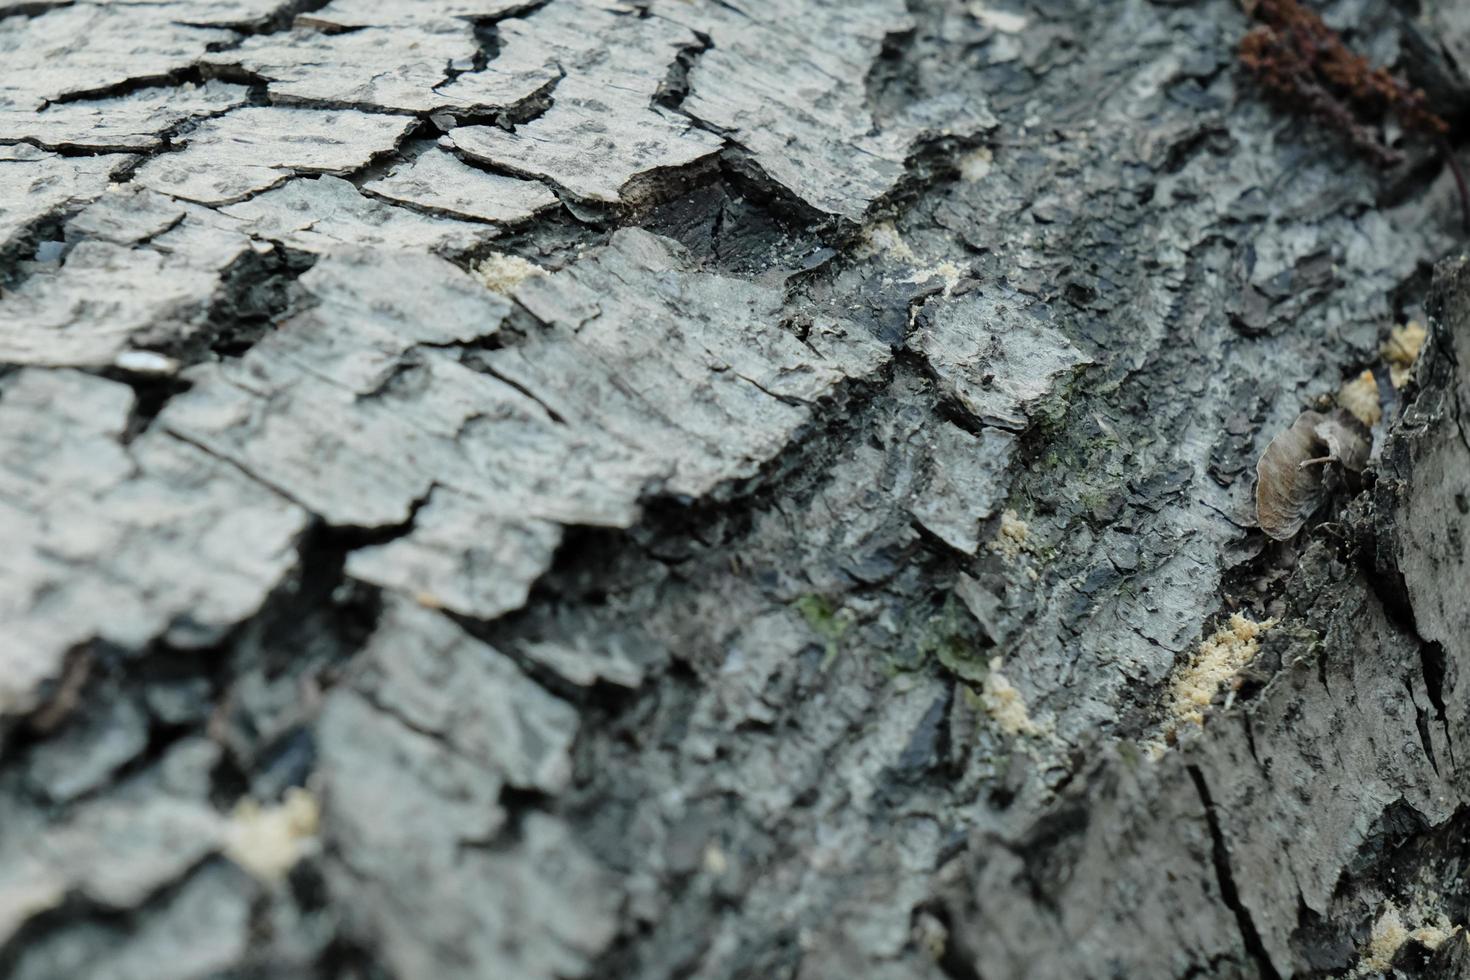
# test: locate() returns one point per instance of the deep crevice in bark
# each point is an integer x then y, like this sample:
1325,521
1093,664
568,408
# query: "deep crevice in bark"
1225,878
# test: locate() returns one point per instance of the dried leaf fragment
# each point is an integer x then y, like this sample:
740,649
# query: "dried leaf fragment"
1290,474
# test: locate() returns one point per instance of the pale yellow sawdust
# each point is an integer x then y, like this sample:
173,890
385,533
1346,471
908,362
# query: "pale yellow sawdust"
1360,396
1219,658
999,20
975,165
715,861
1389,935
268,841
502,273
1004,705
1012,538
1401,350
948,272
1384,941
884,238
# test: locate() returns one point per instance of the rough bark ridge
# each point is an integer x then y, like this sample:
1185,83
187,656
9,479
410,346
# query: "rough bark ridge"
647,488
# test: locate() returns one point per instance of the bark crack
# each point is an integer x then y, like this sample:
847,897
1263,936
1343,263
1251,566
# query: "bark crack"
1225,878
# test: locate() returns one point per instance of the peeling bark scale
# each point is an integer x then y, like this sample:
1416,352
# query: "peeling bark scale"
703,488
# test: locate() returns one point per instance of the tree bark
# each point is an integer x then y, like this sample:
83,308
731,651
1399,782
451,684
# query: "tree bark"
651,488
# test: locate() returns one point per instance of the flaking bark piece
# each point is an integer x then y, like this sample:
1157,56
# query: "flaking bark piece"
1290,475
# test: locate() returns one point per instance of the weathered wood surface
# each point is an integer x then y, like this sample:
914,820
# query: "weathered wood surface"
704,488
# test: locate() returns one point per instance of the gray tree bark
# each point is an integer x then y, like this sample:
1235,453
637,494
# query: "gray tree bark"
688,488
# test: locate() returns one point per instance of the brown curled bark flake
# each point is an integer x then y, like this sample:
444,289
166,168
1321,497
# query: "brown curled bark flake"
1290,476
1286,491
1348,441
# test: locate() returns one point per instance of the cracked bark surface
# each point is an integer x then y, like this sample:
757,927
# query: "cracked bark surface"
594,488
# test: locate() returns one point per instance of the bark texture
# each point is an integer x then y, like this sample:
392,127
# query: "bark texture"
706,488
